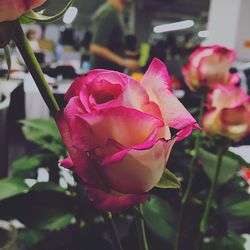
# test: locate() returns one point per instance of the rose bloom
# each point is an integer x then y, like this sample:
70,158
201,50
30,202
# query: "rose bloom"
117,132
209,66
229,113
12,9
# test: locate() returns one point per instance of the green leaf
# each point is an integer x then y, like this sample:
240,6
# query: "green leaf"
241,161
28,163
37,209
47,19
234,197
43,133
229,242
57,222
228,170
11,187
168,180
236,204
47,186
239,209
160,218
44,126
25,20
55,148
8,59
30,237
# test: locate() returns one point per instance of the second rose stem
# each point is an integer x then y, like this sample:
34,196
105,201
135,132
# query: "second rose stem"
186,195
140,226
204,218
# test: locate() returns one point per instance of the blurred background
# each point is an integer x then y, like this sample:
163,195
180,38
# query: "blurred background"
167,29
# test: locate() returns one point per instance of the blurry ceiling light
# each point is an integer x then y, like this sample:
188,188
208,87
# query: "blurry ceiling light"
203,33
173,26
70,15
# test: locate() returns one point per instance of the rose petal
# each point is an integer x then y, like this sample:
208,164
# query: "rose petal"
156,74
82,164
113,202
227,97
211,122
111,147
81,132
132,96
140,167
126,126
113,77
67,163
136,97
191,77
173,112
235,122
103,92
76,86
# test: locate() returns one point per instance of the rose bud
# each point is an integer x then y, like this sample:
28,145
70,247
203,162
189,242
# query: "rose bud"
12,9
117,132
229,113
209,66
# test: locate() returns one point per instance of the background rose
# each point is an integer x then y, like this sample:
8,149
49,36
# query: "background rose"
229,113
209,66
12,9
117,132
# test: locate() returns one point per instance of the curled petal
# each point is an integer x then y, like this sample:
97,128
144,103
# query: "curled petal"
137,169
173,112
233,78
114,202
111,147
85,136
67,163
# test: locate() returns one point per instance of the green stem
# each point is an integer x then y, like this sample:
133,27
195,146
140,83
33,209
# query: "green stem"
113,231
196,150
205,215
187,193
33,66
140,226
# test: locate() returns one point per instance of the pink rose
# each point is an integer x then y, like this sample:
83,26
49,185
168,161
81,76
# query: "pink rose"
117,132
229,113
12,9
208,67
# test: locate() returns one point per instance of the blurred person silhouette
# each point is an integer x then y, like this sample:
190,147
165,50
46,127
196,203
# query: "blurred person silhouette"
108,41
31,35
157,50
85,57
131,50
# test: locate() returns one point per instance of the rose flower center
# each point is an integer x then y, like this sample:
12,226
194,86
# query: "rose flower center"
104,91
102,97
